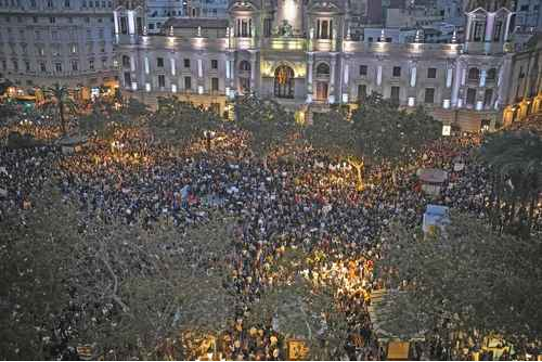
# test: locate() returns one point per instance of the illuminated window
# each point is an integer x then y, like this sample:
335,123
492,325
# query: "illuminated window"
284,82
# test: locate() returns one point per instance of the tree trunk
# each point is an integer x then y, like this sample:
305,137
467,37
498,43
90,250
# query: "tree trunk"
62,119
359,166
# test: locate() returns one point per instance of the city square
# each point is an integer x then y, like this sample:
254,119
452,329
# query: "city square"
300,195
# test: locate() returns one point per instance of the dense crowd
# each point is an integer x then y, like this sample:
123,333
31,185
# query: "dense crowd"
310,203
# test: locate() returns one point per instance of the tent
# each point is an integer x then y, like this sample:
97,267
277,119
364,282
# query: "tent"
432,180
435,216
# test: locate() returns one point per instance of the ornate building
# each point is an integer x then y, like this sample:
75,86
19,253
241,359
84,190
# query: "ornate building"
66,41
301,53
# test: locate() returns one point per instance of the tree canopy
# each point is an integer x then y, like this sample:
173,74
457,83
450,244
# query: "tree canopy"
268,123
467,279
181,122
515,160
390,134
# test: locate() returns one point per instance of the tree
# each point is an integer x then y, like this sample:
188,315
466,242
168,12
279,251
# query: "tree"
467,280
182,122
70,279
61,98
268,123
515,160
389,134
334,134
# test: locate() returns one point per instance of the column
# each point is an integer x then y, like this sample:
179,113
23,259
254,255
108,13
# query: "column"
379,75
456,83
116,19
253,65
483,77
132,64
310,64
507,29
147,66
131,22
331,97
413,72
469,28
173,68
346,77
489,26
200,68
449,77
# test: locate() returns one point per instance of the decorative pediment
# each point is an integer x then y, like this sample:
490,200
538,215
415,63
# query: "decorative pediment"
244,5
331,6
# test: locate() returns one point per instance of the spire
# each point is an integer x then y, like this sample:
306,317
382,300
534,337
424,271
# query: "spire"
419,37
454,37
382,36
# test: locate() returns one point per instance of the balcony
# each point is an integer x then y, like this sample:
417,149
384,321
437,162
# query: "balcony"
285,44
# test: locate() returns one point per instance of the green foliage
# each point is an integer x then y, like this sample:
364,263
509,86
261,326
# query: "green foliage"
63,102
181,122
468,278
332,133
390,134
267,121
515,159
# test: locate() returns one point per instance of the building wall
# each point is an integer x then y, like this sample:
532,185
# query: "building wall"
65,41
464,83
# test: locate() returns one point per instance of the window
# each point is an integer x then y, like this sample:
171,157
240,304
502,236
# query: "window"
244,85
15,65
244,66
394,94
4,65
49,3
474,74
66,3
429,95
104,63
324,29
321,91
479,28
43,67
267,26
524,8
52,19
284,82
160,62
214,64
363,70
91,64
491,74
35,19
186,63
58,67
125,61
488,97
214,84
27,66
471,96
101,33
396,71
498,30
124,25
243,28
127,79
161,81
187,83
362,92
432,73
75,65
54,35
322,70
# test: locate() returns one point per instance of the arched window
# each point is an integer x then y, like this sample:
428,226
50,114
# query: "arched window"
284,82
322,70
125,61
474,74
492,74
244,66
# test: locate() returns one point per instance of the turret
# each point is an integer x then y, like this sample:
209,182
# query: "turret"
488,26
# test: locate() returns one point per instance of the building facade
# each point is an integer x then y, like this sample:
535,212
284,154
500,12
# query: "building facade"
66,41
302,55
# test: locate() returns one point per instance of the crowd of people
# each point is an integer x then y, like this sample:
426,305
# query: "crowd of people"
309,202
